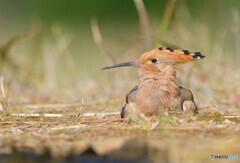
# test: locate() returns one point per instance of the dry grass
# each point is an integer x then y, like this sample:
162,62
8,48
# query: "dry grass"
210,132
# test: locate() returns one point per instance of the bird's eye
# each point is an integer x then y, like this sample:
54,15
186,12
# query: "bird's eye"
154,60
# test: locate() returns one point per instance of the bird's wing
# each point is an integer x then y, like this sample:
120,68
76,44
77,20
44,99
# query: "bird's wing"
131,95
129,99
186,95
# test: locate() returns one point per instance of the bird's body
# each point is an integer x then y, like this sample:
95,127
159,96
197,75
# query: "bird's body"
158,90
149,103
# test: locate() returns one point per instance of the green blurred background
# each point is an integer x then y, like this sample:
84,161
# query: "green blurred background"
209,26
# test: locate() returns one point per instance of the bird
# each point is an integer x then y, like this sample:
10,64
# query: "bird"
158,90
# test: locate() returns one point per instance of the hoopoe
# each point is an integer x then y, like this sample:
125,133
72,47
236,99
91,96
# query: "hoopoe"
158,90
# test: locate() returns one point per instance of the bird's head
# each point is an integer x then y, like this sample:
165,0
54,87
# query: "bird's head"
160,58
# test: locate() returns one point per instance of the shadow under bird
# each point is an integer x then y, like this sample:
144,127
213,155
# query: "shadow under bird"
158,90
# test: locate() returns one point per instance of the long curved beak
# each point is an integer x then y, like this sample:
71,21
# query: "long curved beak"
123,64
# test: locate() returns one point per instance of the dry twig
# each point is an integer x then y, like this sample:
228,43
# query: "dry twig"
100,114
144,22
99,42
35,115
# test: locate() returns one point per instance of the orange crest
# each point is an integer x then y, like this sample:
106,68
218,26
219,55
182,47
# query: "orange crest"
168,55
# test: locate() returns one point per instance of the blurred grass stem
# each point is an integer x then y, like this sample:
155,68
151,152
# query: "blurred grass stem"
4,103
144,23
167,17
